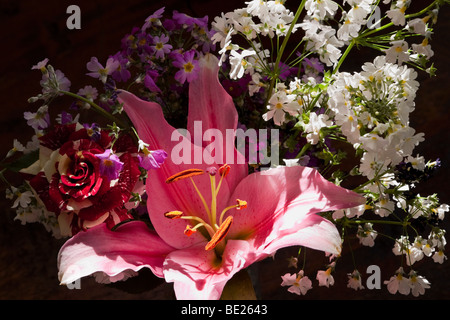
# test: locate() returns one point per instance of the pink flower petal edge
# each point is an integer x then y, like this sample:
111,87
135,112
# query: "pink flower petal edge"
131,247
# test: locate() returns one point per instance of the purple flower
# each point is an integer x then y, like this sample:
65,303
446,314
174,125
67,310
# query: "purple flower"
150,84
160,46
190,22
110,164
99,71
65,118
41,65
312,65
121,74
188,67
38,120
54,81
152,159
153,19
92,130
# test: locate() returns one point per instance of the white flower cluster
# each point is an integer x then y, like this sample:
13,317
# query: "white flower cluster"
402,284
259,18
29,209
372,108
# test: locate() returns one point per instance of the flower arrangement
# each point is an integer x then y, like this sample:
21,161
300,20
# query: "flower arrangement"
181,177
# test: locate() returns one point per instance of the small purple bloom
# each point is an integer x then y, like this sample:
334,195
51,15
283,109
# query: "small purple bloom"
110,164
92,130
40,65
121,74
313,65
153,19
161,46
188,66
150,84
65,118
190,22
38,120
152,159
99,71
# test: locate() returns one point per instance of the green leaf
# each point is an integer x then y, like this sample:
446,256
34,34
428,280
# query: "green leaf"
22,162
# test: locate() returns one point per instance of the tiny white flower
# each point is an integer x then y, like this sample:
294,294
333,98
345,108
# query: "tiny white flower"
398,283
23,198
366,235
441,210
238,62
321,8
439,257
384,207
325,278
418,284
397,16
315,124
423,48
354,280
279,104
398,52
298,283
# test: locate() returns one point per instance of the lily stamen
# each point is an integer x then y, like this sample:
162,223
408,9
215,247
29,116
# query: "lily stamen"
217,229
241,204
220,233
185,174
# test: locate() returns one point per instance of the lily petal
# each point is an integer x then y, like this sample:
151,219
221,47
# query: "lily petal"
208,103
152,127
131,247
282,202
214,107
198,274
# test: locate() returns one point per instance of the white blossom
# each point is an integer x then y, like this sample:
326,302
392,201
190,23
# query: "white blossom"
298,283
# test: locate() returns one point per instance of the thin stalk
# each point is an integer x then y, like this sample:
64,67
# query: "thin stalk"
344,55
282,48
96,107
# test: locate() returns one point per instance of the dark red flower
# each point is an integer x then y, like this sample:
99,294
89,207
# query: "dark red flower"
68,180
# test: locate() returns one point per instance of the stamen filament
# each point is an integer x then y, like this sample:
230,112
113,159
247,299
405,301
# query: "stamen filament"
241,204
201,198
225,210
223,171
213,200
201,223
220,183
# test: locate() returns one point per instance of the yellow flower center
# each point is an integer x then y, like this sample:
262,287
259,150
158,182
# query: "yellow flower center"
107,162
188,67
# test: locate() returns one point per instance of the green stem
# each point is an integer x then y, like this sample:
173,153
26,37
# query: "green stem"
283,47
2,177
408,16
96,107
344,55
398,223
304,149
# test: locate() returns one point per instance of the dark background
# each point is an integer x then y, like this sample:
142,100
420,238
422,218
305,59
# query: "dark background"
34,30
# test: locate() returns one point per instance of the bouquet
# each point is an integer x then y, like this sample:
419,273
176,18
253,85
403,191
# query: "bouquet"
222,140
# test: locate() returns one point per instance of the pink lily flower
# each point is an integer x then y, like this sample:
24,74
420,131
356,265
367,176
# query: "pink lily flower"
210,221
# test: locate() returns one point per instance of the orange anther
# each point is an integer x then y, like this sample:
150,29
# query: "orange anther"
173,214
224,170
185,174
241,204
220,233
189,231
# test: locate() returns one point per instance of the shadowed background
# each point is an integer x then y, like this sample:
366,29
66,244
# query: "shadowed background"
32,31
